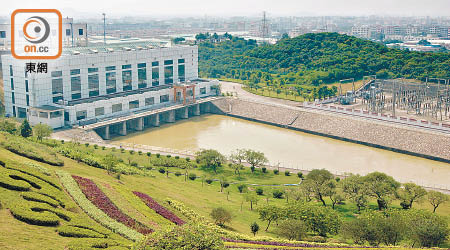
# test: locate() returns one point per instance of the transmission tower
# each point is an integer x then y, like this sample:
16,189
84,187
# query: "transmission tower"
264,27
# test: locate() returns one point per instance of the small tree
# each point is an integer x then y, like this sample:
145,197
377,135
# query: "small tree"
255,158
436,198
270,214
354,189
42,130
409,194
292,229
221,216
237,157
25,129
381,187
254,227
110,162
223,183
252,198
211,158
321,183
259,191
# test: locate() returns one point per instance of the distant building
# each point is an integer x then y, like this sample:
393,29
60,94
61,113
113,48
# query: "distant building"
88,84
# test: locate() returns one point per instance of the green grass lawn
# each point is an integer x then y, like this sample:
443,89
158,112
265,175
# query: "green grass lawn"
197,195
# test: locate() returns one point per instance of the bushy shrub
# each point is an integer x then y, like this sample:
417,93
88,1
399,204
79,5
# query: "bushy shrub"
292,229
317,238
192,236
140,152
131,152
209,181
188,159
259,191
95,146
264,169
149,154
277,194
252,168
103,148
86,144
177,157
30,149
134,164
122,150
220,216
276,171
300,175
192,176
158,155
168,156
287,173
178,173
241,188
162,170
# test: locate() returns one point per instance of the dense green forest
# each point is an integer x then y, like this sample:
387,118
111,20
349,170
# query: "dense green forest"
312,60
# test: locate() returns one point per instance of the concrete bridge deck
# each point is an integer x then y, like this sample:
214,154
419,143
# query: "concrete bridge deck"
139,120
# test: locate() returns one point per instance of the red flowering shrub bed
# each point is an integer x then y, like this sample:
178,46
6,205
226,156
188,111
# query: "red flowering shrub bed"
100,200
164,212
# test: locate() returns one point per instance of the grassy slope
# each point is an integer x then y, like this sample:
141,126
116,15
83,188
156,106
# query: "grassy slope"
201,198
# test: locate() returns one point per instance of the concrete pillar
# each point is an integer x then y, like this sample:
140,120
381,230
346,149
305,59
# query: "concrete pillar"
185,113
197,109
106,135
171,117
140,124
207,107
123,129
155,120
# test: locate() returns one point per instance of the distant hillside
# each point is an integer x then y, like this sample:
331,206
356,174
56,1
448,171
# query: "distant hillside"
312,59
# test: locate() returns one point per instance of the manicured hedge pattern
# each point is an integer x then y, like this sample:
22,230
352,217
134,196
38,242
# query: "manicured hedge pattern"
32,196
164,212
99,199
94,212
37,213
45,205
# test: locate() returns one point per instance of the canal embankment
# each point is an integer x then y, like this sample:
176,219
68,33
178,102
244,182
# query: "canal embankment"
396,138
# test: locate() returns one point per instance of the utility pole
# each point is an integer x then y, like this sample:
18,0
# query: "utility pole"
104,28
264,27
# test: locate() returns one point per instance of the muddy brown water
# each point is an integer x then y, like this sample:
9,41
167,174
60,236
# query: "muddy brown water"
291,148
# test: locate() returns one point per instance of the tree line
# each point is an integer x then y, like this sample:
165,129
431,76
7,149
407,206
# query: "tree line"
311,60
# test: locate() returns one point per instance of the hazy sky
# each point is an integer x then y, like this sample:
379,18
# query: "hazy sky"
234,7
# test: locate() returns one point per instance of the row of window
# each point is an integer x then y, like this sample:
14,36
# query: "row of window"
110,75
80,115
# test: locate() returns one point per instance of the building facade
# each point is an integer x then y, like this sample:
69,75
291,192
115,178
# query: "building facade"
89,84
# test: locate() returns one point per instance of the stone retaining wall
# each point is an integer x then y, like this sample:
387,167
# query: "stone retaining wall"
422,143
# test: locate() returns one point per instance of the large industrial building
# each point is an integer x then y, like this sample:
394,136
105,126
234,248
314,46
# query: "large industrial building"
90,84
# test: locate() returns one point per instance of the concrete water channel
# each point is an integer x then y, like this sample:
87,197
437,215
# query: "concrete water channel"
291,149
